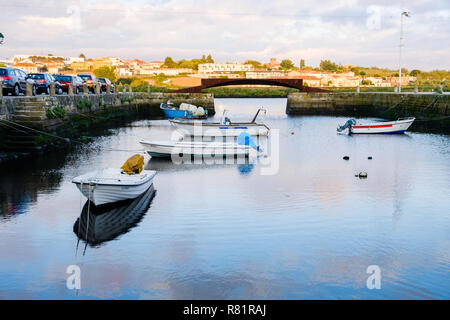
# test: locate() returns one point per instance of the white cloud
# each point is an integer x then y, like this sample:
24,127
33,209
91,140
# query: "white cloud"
231,30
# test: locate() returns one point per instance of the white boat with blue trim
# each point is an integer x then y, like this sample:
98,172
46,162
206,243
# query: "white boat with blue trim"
243,146
224,128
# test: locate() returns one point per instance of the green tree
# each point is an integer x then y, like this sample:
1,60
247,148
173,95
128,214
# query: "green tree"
169,63
302,63
105,72
327,65
362,73
82,56
287,64
2,65
415,72
255,64
209,59
126,81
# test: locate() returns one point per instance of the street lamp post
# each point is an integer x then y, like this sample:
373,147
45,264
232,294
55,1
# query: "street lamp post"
406,14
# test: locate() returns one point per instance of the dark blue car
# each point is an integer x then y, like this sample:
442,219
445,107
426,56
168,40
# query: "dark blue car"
14,81
43,81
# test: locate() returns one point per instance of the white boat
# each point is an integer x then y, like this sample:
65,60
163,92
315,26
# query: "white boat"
224,128
112,185
191,148
398,126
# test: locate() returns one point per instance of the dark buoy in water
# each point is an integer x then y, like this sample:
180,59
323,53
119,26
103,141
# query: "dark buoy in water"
362,175
346,158
370,158
292,132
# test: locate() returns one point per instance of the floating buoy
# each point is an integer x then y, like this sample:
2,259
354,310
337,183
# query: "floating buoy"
362,175
292,132
370,158
346,157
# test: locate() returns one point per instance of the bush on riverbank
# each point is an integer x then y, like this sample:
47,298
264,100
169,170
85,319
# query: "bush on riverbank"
386,89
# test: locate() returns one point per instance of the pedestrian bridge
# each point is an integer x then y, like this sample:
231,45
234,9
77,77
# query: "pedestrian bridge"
282,82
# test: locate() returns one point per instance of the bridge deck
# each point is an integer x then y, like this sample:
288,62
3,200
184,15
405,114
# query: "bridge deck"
295,83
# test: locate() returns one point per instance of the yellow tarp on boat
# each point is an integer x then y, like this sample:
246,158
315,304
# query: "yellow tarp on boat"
134,165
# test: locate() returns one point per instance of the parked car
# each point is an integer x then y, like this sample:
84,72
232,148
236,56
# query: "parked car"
43,81
65,80
104,82
15,81
90,80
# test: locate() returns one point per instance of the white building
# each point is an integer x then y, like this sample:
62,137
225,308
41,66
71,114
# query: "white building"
167,72
123,71
70,60
265,74
154,64
224,67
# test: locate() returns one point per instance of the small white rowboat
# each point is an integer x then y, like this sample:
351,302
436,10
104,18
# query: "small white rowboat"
398,126
112,185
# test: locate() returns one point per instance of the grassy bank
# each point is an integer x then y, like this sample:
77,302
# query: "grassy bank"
250,92
385,89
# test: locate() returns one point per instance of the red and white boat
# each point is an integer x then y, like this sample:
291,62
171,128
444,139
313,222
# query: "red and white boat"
398,126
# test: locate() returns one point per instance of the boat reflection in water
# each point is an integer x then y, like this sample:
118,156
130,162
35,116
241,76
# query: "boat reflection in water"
107,222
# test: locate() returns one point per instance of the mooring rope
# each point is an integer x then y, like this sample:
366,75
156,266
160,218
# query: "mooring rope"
88,217
59,137
396,105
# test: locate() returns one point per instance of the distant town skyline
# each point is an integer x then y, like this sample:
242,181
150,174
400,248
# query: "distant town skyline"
360,33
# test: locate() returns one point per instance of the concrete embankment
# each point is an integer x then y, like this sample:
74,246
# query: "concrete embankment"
368,104
70,115
431,111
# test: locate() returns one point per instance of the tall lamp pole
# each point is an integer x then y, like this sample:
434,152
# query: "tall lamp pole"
406,14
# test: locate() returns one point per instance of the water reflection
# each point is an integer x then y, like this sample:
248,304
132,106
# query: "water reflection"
105,223
18,190
244,165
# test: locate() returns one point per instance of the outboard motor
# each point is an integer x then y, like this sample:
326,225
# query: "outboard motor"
348,124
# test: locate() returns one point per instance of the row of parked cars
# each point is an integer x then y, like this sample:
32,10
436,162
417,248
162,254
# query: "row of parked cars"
14,82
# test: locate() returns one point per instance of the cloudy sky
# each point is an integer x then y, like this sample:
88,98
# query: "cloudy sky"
353,32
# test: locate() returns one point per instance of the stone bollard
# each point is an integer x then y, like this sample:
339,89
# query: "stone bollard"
130,89
70,90
85,89
358,89
416,89
98,88
108,88
1,88
29,90
52,89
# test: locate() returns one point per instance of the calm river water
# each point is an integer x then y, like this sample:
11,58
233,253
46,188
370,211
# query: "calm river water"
308,230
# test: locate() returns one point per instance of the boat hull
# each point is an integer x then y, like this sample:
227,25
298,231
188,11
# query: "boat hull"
101,193
205,129
165,149
399,126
